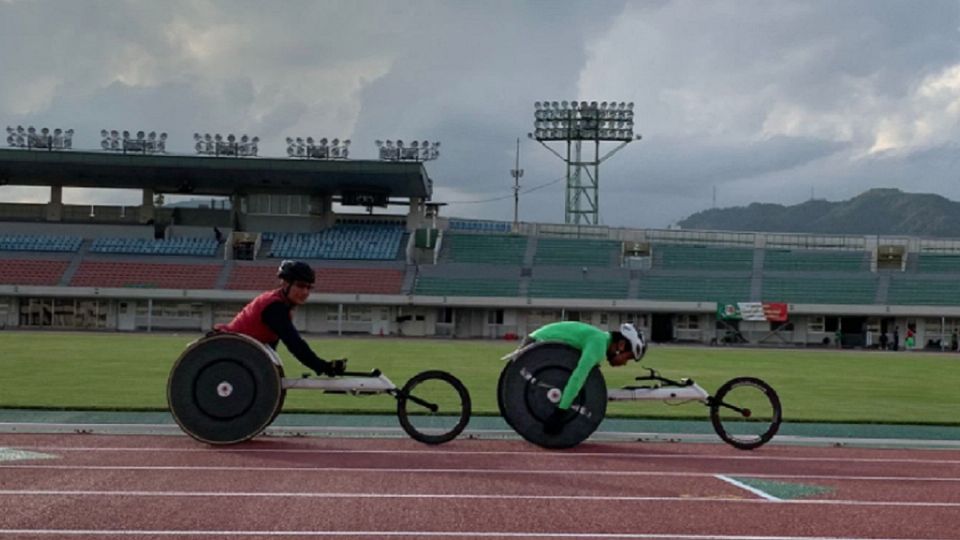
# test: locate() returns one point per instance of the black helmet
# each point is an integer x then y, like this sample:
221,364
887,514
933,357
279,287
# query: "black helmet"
291,271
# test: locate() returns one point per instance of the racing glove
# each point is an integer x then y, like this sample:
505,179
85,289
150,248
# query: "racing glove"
335,368
555,422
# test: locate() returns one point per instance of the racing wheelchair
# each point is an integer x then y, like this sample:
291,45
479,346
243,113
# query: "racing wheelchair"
745,411
226,388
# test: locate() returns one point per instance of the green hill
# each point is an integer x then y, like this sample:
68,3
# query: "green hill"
877,211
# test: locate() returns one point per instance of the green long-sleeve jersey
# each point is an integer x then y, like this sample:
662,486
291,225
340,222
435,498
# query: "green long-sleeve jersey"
589,340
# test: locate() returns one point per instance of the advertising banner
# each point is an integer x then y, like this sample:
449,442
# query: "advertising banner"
752,311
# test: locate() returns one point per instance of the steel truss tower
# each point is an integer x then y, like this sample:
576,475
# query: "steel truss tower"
576,123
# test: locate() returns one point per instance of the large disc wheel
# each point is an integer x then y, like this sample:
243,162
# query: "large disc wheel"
224,389
530,388
433,407
745,412
500,405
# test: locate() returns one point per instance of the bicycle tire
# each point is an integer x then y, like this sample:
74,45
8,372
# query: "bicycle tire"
724,427
408,395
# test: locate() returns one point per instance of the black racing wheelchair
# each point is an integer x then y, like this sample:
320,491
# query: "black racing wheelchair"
227,388
745,411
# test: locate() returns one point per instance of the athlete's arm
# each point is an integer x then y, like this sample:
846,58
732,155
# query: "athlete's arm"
592,354
277,317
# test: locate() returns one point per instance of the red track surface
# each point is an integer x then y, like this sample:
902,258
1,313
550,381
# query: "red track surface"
163,487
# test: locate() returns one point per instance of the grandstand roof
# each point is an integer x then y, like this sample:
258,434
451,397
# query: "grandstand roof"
211,175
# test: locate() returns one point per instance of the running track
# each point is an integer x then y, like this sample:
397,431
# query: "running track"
112,486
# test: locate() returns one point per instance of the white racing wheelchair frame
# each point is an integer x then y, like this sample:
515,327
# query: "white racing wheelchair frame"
350,383
375,382
226,397
661,389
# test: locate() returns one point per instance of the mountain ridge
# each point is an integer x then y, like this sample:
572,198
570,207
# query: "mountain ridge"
878,211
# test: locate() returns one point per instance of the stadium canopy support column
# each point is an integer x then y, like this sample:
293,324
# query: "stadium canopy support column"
55,206
322,205
236,203
339,319
147,213
417,214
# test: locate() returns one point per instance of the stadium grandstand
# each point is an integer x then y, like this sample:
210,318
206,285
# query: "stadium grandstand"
415,273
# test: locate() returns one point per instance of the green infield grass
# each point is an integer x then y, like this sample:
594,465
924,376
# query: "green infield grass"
129,372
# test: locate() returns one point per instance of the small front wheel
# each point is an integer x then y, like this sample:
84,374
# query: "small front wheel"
745,412
433,407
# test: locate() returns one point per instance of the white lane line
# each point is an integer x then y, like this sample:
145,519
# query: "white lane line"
758,492
486,434
418,534
460,496
514,472
15,454
533,453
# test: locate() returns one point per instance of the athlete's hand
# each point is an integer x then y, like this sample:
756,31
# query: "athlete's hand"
337,367
554,423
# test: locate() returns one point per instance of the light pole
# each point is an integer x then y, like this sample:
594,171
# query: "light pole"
415,151
574,123
142,143
229,146
516,173
319,149
32,138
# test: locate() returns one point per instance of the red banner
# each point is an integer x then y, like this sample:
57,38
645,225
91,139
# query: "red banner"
775,311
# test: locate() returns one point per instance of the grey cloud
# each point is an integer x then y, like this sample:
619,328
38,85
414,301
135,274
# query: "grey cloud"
706,76
672,165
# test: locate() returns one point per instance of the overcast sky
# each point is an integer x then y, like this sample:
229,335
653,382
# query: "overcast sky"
760,101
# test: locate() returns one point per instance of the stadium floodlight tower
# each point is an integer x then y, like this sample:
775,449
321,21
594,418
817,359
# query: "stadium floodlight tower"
142,143
321,149
31,138
575,123
415,151
229,146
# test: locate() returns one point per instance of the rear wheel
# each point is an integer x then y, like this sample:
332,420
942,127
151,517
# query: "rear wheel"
224,389
500,397
530,387
433,407
745,412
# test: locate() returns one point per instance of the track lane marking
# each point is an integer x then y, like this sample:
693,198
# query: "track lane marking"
460,496
15,454
419,534
758,492
383,470
532,453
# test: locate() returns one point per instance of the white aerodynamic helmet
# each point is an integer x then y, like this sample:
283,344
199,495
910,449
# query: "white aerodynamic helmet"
637,344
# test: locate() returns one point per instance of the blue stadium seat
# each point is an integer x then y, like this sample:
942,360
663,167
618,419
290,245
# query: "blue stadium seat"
192,247
350,241
22,242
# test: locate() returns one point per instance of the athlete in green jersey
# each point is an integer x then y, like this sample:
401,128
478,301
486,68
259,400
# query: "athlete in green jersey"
618,347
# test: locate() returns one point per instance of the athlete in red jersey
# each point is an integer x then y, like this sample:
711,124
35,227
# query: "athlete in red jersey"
267,318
